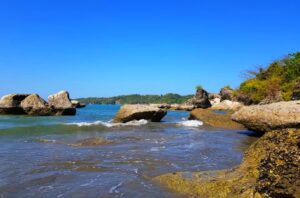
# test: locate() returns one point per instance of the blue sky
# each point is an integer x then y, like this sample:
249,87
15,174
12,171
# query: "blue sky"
113,47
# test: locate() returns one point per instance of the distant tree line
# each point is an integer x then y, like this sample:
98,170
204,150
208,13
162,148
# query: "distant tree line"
169,98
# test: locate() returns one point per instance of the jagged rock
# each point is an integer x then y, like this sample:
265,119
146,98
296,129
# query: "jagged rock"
35,105
269,117
137,112
226,93
200,100
227,105
10,104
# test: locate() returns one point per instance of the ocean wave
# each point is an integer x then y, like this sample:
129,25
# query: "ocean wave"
190,123
110,124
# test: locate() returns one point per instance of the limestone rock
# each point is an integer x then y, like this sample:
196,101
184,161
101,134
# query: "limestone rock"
226,93
269,117
227,105
200,100
60,100
137,112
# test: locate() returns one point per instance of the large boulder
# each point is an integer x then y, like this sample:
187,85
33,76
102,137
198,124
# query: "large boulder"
137,112
269,117
226,105
10,104
61,103
214,99
226,93
200,100
35,105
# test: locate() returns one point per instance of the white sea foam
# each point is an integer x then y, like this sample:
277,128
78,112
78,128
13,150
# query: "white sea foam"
110,124
191,123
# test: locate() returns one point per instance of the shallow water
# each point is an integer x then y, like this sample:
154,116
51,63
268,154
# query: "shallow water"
45,157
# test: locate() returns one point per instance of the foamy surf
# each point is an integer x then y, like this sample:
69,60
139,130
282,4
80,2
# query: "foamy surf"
110,124
191,123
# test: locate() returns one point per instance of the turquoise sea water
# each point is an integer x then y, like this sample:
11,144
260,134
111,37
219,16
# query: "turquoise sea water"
41,157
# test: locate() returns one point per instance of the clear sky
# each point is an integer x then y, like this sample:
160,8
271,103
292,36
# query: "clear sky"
113,47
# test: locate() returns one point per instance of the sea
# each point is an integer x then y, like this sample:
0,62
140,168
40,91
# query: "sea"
89,156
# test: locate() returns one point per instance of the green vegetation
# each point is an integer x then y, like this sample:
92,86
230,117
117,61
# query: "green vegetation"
199,87
276,81
138,99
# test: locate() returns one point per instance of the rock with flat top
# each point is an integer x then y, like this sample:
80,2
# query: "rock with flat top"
138,112
226,105
269,117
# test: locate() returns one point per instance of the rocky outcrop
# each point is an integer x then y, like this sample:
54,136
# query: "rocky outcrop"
77,104
10,104
269,117
138,112
200,100
33,104
182,107
218,119
226,93
214,99
270,168
226,105
272,98
62,103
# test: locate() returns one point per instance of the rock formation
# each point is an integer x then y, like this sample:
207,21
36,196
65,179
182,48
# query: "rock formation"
226,93
138,112
226,105
200,100
33,104
216,119
269,117
77,104
296,91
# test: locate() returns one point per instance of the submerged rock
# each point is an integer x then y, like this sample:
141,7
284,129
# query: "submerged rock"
269,117
270,168
200,100
138,112
91,142
227,105
218,119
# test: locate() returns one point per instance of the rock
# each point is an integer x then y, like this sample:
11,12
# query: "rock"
214,98
35,105
60,100
62,103
138,112
10,104
91,142
226,93
182,107
161,106
296,92
269,117
226,105
270,168
77,104
200,100
218,119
